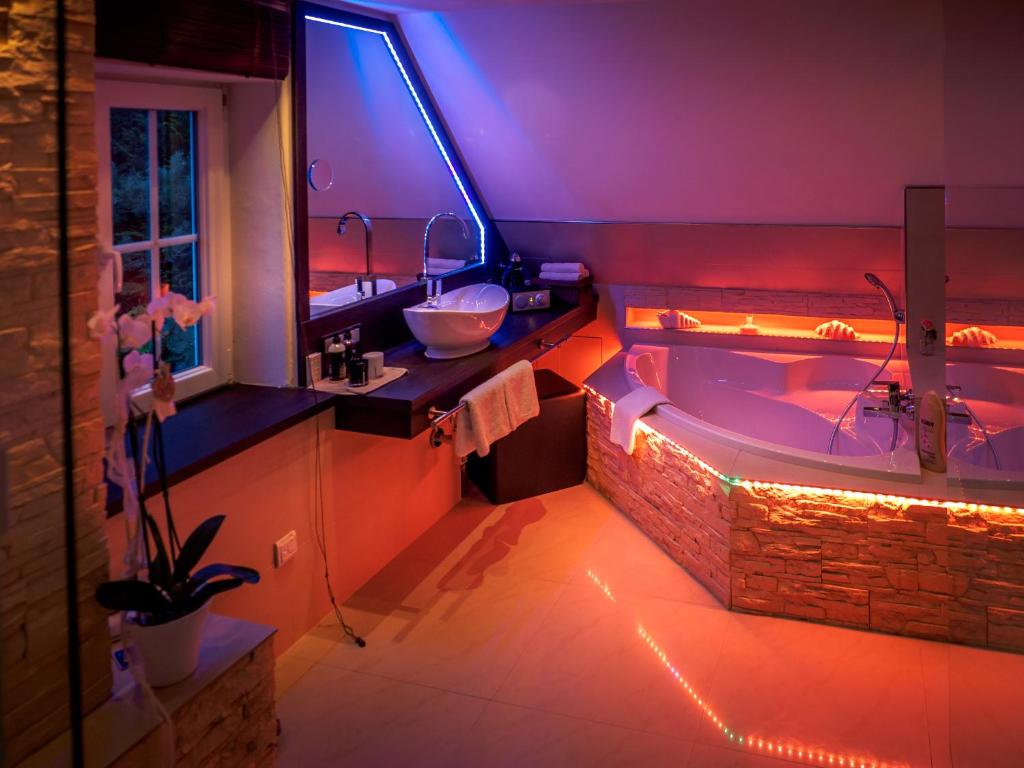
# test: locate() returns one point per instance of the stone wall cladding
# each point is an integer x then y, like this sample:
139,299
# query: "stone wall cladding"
671,498
33,621
230,723
905,569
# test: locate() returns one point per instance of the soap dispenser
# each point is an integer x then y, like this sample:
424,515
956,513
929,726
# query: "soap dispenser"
336,358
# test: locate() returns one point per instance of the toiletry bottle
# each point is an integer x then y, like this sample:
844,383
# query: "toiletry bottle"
930,425
336,358
349,348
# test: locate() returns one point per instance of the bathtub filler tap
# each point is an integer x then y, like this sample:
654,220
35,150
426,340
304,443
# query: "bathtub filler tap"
897,401
898,318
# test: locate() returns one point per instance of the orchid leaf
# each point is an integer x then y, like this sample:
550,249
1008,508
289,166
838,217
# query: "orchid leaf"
210,589
247,575
160,568
130,595
195,546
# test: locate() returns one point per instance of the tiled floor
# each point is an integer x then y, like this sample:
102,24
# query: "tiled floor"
551,632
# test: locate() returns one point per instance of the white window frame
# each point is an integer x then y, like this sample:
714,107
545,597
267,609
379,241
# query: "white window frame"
212,224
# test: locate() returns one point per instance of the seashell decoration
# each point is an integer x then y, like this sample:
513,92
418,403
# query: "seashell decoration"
973,337
836,329
673,318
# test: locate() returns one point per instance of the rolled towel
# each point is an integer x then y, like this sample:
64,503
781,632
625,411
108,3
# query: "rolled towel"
574,267
629,410
565,277
495,408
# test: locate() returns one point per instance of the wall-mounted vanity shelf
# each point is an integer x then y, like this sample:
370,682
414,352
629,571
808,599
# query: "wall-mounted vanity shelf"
400,409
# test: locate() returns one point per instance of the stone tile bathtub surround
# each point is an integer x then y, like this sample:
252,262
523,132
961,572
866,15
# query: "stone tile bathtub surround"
892,567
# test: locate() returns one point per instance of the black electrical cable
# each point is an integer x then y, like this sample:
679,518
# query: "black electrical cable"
67,422
318,524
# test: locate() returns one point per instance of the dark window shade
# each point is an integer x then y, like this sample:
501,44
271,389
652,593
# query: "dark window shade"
240,37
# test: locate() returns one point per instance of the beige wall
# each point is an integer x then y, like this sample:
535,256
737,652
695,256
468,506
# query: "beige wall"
33,627
379,494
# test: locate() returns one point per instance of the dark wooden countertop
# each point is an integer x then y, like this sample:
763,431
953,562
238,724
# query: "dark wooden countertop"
399,409
220,423
216,425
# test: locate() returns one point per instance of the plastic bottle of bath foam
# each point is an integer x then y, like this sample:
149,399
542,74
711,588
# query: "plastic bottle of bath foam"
930,426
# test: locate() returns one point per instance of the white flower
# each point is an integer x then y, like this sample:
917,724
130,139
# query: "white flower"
138,370
187,312
161,307
135,332
103,322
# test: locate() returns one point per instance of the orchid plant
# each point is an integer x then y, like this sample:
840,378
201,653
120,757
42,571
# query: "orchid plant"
170,589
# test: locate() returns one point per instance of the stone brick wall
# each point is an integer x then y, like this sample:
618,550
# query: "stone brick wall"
33,628
230,723
670,497
889,566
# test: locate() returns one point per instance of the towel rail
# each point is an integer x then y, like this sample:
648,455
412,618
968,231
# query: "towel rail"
438,416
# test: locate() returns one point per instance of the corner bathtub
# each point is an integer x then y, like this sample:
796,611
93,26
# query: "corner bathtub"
769,416
733,480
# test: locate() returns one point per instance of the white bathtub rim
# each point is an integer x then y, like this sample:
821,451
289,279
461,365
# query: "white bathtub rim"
744,458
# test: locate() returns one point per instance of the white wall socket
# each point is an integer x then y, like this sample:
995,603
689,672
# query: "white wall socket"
285,548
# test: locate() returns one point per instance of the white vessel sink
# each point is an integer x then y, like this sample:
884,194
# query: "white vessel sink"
461,322
347,294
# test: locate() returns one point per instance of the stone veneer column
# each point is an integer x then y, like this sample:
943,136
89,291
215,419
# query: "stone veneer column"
885,565
670,497
33,621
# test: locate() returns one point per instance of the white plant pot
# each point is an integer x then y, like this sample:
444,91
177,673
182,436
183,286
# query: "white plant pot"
169,652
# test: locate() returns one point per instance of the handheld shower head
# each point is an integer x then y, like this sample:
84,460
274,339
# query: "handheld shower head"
876,281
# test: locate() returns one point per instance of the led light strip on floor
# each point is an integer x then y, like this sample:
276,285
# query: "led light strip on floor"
784,748
804,490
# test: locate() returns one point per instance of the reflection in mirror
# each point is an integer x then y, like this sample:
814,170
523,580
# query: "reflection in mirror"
365,121
320,175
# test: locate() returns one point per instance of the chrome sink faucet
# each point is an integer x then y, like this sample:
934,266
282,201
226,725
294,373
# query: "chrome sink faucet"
434,285
368,235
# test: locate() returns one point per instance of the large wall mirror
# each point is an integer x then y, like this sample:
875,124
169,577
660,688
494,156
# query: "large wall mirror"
379,168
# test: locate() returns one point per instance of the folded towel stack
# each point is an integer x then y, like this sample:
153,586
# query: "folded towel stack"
565,271
440,266
495,408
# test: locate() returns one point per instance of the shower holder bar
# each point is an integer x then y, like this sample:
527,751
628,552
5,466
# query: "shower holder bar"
439,416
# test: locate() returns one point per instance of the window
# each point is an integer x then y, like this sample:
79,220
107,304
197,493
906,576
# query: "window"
155,228
163,217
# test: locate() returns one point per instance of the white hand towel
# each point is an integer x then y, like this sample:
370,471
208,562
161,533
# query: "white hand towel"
575,267
520,393
629,410
566,277
495,408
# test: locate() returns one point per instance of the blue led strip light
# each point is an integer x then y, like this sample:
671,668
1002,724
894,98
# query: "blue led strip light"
426,119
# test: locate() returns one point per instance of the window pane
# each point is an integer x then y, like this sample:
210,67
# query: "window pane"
179,272
176,159
129,174
135,292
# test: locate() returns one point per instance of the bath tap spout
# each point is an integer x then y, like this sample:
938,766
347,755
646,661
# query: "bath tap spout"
367,235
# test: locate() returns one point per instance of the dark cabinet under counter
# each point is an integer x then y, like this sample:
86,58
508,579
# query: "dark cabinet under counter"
400,409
